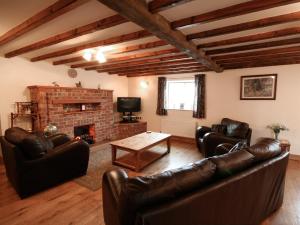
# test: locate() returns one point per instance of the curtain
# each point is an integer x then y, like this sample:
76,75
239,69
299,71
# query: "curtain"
161,96
199,99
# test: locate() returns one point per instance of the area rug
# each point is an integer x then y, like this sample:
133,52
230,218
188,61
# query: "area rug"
100,161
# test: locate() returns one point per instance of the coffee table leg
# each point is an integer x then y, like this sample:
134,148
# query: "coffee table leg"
168,145
113,154
138,162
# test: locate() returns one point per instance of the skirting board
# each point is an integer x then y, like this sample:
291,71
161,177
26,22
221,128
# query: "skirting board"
183,139
295,157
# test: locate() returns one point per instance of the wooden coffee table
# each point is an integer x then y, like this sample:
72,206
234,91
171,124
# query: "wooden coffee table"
139,146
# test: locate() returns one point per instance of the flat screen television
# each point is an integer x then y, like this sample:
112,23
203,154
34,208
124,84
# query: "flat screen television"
128,104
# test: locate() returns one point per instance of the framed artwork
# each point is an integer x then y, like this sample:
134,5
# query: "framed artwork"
258,87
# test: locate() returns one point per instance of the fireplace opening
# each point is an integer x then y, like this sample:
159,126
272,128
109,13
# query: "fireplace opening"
86,133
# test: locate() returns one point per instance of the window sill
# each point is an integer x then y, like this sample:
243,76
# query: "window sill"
180,109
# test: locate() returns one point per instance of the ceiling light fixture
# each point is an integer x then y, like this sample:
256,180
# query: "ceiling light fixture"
87,55
100,57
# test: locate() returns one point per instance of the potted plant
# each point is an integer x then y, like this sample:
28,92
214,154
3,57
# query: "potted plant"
276,128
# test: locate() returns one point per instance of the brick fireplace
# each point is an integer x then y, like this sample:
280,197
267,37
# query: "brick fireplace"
69,108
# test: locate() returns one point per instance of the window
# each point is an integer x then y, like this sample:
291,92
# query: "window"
180,94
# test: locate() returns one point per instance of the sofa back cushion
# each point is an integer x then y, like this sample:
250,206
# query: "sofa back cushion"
265,148
35,147
233,162
15,135
235,128
139,192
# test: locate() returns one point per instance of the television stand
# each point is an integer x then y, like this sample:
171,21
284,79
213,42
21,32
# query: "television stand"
129,118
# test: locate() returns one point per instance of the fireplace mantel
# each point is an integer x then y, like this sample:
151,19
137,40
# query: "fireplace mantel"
68,88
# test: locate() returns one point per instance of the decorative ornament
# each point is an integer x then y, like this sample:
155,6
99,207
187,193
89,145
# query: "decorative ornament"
72,73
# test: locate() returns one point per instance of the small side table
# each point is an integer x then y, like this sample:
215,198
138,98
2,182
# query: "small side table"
285,145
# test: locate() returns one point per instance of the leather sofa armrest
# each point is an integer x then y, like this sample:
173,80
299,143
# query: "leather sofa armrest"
112,182
72,154
59,139
114,179
201,131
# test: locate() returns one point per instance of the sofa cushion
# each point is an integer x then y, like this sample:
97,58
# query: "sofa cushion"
219,128
35,147
15,135
144,191
235,128
232,162
265,148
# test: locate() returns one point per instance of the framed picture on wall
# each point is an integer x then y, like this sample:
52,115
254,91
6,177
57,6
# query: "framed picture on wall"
258,87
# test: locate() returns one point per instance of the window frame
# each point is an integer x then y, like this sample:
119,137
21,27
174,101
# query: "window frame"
178,80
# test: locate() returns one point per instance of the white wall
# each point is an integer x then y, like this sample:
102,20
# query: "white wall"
223,91
18,73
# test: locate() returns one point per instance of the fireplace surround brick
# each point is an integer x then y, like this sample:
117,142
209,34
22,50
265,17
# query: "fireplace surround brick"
51,102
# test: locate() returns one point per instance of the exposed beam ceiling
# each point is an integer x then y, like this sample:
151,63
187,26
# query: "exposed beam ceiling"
255,46
129,57
270,21
131,48
235,10
160,5
77,32
109,41
162,73
137,12
58,8
253,37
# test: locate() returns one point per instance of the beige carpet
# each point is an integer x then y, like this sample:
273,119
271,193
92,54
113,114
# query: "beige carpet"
100,161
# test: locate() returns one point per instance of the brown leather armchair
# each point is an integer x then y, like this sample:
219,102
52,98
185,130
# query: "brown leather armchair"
34,163
229,131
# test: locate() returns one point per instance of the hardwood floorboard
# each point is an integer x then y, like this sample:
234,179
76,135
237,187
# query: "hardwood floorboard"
71,203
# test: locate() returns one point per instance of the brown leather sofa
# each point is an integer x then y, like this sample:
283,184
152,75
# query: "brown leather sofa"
240,187
229,131
34,163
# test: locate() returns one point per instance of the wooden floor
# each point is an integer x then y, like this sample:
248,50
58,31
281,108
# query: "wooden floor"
71,203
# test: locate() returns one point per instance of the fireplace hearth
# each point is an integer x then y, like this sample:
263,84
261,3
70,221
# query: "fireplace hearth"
86,133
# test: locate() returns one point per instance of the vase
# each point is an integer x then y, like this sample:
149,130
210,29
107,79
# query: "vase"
276,135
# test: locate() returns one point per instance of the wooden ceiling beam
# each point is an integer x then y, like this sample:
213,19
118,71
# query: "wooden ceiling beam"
109,41
57,9
231,11
157,70
160,5
253,37
129,57
137,12
254,46
288,55
268,52
132,48
153,66
74,33
163,73
160,61
270,21
251,64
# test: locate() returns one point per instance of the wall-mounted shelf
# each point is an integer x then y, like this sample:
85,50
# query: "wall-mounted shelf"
75,101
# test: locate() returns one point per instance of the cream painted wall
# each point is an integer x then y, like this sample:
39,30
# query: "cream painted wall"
223,92
18,73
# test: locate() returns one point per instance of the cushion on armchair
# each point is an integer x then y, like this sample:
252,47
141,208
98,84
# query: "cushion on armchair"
235,128
15,135
219,128
35,147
